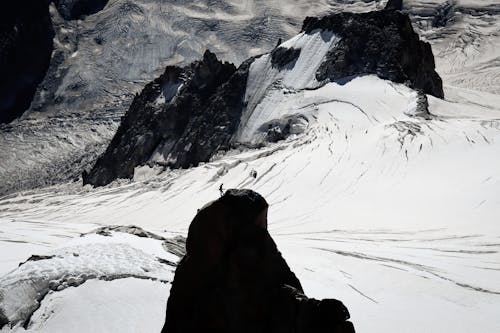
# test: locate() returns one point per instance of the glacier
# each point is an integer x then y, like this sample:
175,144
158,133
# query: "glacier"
373,202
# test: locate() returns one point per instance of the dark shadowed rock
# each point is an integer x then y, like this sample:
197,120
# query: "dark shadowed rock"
75,9
36,257
394,5
179,120
26,45
280,129
282,56
382,43
234,279
3,319
189,114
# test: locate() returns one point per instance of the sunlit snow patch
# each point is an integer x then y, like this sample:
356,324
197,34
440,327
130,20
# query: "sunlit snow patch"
272,93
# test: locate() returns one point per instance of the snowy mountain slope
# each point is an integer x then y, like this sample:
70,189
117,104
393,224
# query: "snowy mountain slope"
213,106
101,60
374,200
95,79
393,213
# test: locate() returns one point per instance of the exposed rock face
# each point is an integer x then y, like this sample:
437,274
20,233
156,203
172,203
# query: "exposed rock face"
188,114
26,45
234,279
382,43
180,119
394,5
444,14
74,9
281,56
280,129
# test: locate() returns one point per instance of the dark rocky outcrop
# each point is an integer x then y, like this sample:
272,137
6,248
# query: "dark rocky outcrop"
188,114
3,319
26,35
36,257
183,118
394,5
234,279
282,56
382,43
75,9
26,46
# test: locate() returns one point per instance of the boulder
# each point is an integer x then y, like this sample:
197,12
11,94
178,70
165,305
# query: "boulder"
234,279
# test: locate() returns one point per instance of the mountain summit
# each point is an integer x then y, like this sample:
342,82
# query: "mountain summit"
188,114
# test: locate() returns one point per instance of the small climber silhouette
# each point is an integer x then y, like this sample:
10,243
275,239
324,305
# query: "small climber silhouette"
221,190
253,174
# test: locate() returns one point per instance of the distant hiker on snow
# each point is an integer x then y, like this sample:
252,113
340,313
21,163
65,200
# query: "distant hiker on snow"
221,190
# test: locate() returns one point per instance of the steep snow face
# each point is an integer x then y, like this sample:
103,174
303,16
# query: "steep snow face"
394,214
269,85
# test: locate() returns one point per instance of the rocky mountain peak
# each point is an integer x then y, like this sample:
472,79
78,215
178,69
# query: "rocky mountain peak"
380,42
178,120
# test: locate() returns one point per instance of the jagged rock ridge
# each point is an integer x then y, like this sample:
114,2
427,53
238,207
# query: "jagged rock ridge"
189,114
234,279
179,119
26,46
